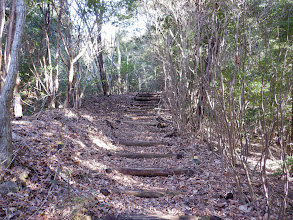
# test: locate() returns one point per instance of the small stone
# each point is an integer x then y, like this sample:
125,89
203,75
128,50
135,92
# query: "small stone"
229,196
222,205
108,170
161,125
105,192
9,186
244,208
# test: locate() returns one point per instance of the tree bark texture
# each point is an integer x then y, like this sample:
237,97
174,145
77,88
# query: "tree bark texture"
119,61
103,74
69,83
2,22
7,90
17,99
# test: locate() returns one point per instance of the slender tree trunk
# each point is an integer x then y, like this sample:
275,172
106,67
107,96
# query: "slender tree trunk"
2,22
119,61
9,36
7,91
17,99
289,146
69,83
103,74
126,75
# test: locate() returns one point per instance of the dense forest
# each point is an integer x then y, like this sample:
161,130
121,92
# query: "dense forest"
220,70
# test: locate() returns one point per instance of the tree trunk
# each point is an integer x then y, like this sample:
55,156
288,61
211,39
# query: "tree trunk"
126,75
17,99
103,74
69,83
5,134
9,39
119,61
289,147
7,91
2,22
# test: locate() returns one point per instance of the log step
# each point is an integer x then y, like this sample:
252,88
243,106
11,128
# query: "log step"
142,143
152,172
144,194
143,114
154,101
147,104
161,217
138,98
139,111
147,95
162,110
143,108
141,123
141,117
142,155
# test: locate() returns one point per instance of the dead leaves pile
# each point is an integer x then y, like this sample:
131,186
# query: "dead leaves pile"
68,180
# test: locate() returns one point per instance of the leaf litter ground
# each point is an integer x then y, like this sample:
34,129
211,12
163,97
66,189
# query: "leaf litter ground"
79,178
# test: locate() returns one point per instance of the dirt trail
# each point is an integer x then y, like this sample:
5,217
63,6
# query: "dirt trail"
120,158
160,178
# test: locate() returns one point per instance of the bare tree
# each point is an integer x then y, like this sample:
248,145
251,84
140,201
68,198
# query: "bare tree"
211,55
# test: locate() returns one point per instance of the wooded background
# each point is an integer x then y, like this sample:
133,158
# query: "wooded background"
225,68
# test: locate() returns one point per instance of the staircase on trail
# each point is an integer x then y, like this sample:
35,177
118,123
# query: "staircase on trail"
141,116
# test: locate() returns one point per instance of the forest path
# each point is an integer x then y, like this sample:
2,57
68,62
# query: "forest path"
153,159
117,157
145,144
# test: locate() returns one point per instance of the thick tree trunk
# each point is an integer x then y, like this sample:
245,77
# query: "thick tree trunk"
5,134
7,90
